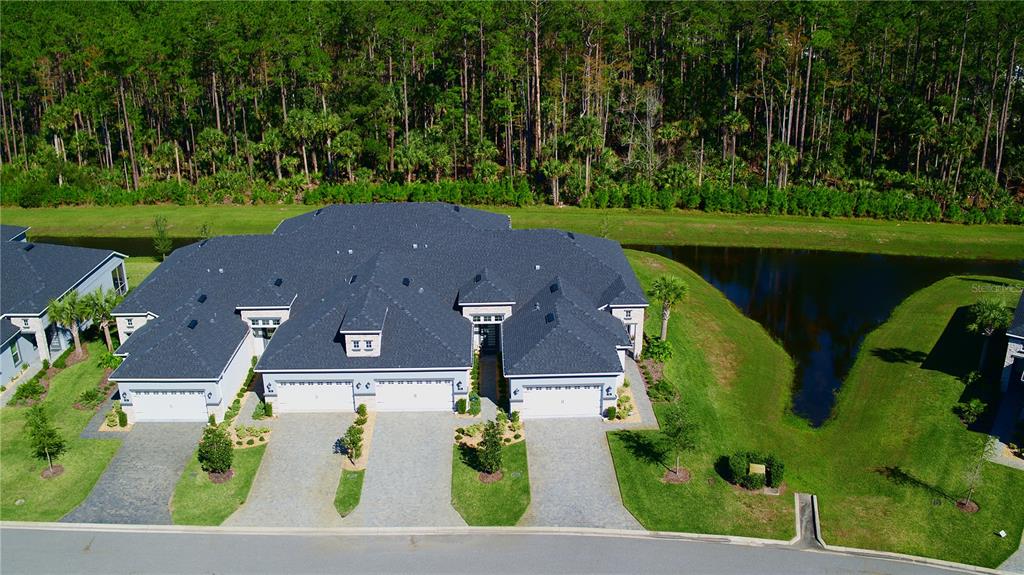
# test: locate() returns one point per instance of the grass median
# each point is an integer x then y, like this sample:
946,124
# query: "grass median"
500,503
199,501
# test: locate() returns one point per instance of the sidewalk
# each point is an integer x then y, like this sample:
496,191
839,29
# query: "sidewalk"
11,387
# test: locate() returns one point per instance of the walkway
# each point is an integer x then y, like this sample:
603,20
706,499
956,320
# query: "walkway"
572,479
1015,563
138,484
298,478
408,480
640,400
5,396
488,386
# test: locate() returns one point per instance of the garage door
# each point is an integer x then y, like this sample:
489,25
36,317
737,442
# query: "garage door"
169,405
414,395
313,396
561,401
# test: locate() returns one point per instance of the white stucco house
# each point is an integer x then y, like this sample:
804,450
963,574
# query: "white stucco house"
382,304
31,275
1013,364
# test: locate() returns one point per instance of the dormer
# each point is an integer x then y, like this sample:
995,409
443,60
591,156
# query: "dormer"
486,298
363,324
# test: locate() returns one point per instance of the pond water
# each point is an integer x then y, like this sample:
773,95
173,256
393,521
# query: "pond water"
820,305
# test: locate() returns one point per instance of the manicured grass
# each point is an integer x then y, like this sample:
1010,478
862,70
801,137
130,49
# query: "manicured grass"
673,227
84,462
499,503
350,490
138,268
887,466
199,501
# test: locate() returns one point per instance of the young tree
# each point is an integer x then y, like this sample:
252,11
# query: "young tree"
70,311
669,291
100,305
161,239
988,316
215,452
353,442
679,429
43,436
490,448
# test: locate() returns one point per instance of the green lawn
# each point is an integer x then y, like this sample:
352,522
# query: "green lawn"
350,489
499,503
892,450
673,227
199,501
138,268
84,462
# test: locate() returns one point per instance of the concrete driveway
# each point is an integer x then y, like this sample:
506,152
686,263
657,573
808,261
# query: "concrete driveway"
408,480
298,478
572,480
137,485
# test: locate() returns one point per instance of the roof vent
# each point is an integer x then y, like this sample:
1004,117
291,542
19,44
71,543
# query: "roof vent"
536,267
536,306
549,318
478,278
554,287
352,279
201,298
406,281
414,246
456,208
420,290
28,247
220,270
192,324
350,252
203,243
278,282
317,213
572,236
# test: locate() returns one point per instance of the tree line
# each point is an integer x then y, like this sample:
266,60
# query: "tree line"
854,107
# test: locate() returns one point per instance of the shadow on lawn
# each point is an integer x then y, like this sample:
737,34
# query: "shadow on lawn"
899,355
643,447
957,351
470,456
903,478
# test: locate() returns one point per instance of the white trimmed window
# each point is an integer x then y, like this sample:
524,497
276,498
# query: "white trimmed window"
355,345
129,322
629,314
368,344
24,323
16,355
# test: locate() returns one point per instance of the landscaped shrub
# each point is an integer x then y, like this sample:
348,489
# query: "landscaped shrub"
268,408
260,411
752,481
28,391
776,471
460,405
662,390
62,361
474,403
90,398
361,420
352,442
122,419
610,412
251,441
514,417
361,410
215,453
739,470
489,451
970,411
657,349
212,420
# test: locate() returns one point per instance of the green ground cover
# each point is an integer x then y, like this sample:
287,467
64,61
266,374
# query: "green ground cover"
499,503
139,268
84,462
672,227
350,490
199,501
886,468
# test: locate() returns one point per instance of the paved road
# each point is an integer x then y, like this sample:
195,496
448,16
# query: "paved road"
572,480
335,551
299,475
137,485
408,480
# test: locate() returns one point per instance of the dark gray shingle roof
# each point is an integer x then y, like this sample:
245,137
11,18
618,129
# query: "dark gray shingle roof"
33,274
9,232
486,287
1017,325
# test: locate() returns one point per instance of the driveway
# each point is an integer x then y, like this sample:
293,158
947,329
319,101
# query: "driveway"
299,475
572,480
408,480
137,485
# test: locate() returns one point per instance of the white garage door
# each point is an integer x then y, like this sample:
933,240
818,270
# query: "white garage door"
414,395
561,400
169,405
312,396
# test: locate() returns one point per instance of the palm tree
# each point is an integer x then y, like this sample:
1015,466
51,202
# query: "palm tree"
986,317
100,305
69,311
669,291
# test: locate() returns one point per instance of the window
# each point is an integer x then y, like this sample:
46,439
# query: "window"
499,317
129,322
275,322
629,314
16,355
355,345
368,345
478,318
24,323
117,276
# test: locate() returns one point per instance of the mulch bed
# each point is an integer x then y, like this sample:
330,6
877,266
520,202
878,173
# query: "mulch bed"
106,389
222,477
490,477
676,476
657,370
49,473
967,506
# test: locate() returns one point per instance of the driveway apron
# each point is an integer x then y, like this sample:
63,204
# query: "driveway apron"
298,478
137,485
572,480
409,473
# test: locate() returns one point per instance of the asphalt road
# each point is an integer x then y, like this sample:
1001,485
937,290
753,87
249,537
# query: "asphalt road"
109,549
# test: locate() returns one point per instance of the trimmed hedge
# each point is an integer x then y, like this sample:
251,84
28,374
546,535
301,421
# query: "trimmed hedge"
739,470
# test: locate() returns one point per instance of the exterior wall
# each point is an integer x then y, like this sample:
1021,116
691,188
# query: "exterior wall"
609,384
128,388
101,278
634,325
362,338
258,344
137,321
1014,349
9,369
470,310
364,382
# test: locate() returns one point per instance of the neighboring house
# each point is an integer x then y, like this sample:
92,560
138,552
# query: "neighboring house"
31,275
1013,366
382,304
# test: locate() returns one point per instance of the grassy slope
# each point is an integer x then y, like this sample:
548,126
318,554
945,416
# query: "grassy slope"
631,227
199,501
737,381
350,491
500,503
139,268
84,462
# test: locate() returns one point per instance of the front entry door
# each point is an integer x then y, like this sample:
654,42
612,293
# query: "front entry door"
489,334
